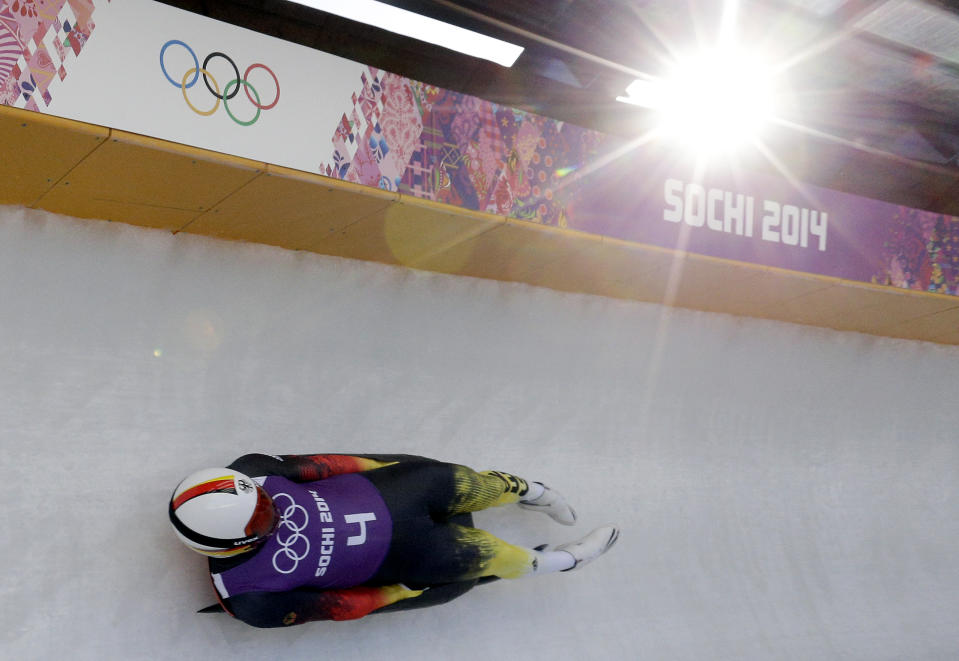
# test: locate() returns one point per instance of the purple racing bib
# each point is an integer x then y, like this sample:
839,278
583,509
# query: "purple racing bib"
333,533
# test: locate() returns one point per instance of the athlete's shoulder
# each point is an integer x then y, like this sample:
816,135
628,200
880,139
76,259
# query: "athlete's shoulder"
257,465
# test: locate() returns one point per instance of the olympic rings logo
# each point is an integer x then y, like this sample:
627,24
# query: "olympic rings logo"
294,545
229,92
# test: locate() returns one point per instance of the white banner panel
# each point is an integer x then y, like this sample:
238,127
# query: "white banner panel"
120,80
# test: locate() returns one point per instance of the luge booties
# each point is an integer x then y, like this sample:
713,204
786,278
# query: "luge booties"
591,546
550,502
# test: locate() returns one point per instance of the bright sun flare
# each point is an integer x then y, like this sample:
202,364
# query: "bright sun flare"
715,100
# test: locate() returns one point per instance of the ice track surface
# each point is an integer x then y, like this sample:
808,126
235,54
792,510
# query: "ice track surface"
784,492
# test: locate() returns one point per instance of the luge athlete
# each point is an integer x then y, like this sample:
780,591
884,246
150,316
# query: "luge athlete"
296,538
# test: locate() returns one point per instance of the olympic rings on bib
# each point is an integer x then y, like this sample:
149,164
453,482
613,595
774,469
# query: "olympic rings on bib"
294,545
228,92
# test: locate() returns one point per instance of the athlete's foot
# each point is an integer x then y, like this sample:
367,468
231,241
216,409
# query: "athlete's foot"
591,546
551,502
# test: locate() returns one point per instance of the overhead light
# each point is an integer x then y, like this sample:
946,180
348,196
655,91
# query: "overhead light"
644,92
718,98
818,7
423,28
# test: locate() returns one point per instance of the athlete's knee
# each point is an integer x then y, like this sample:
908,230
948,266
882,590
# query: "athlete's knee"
491,556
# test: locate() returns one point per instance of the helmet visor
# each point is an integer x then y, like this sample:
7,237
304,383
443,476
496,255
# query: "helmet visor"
264,518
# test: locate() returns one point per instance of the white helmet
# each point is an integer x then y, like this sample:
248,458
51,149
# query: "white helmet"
220,512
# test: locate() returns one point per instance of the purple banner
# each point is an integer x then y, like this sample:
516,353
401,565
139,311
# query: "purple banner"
448,147
769,221
760,220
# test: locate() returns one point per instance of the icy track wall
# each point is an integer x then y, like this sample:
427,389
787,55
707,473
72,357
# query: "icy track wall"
784,492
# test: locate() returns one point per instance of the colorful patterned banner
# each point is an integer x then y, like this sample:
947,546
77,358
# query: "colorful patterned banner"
921,251
37,40
432,143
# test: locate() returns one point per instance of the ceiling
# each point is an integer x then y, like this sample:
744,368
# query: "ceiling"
872,85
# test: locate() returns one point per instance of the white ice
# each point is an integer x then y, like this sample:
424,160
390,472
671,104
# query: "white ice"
784,492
